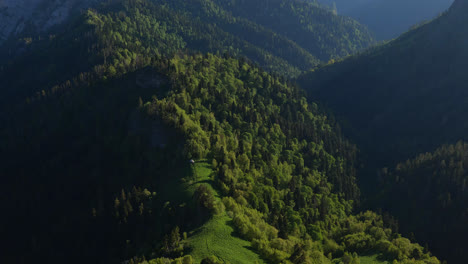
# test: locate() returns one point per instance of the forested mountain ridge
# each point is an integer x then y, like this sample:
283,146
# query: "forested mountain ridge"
202,25
310,36
399,100
95,155
395,93
324,34
389,19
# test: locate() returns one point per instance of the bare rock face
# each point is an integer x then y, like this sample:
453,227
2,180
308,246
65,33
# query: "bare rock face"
40,15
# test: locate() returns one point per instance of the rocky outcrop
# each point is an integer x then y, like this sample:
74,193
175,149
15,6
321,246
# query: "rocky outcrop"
37,15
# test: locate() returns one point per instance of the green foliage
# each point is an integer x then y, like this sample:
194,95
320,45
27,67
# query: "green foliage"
123,35
401,99
216,236
391,96
282,176
137,201
319,31
441,177
212,260
372,259
183,260
291,199
206,199
172,245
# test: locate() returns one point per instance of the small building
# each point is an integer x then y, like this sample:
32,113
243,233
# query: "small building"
192,162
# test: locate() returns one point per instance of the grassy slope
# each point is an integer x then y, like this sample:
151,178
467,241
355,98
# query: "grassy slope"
216,237
372,259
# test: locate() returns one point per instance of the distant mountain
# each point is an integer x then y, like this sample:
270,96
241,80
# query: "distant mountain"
389,18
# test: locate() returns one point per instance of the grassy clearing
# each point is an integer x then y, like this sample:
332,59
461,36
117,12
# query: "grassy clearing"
216,237
372,259
201,173
181,186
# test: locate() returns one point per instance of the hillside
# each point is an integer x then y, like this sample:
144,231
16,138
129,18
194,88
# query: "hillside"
124,139
408,95
399,100
389,19
261,156
441,178
312,34
217,236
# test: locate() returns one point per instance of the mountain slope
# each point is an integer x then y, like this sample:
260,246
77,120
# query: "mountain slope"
261,155
100,151
401,99
409,95
288,48
322,33
441,178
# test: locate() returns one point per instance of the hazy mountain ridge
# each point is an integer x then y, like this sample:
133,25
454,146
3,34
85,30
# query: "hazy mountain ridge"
389,18
411,69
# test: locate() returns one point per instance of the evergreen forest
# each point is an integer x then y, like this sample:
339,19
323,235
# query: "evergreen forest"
233,131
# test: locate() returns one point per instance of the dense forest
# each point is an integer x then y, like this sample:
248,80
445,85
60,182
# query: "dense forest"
441,180
401,99
399,93
164,29
235,27
279,172
151,131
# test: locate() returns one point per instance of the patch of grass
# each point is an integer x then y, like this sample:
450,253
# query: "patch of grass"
184,180
200,173
373,259
216,237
